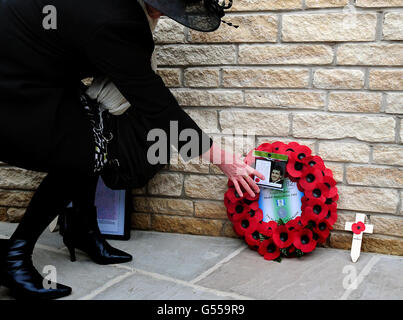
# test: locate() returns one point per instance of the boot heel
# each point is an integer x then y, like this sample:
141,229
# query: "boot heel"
72,252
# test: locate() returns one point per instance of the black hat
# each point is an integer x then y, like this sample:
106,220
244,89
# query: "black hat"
200,15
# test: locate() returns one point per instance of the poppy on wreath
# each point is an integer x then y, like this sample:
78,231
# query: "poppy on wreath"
250,198
230,216
303,240
292,179
267,228
232,195
245,224
331,216
301,152
287,149
253,204
323,230
230,205
320,192
330,183
294,224
310,178
276,146
329,201
267,147
299,187
327,173
283,237
335,198
309,218
358,227
314,162
316,207
237,210
303,204
291,249
257,214
269,250
252,238
284,149
226,202
294,145
294,168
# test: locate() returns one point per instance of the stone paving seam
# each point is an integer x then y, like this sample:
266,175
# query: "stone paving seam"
209,271
159,276
106,286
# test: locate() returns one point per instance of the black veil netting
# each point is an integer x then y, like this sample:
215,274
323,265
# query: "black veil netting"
200,15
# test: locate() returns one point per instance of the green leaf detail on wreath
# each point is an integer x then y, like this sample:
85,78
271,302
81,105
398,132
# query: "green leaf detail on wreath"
299,253
280,222
278,259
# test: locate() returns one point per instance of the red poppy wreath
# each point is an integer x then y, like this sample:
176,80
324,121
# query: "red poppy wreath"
279,238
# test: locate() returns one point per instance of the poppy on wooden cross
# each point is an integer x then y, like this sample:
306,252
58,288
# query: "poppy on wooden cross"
358,228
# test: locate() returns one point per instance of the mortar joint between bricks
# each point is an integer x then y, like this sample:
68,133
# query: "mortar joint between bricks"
379,26
344,182
335,48
279,28
366,78
326,107
311,78
371,154
316,146
383,102
399,204
291,122
182,76
397,131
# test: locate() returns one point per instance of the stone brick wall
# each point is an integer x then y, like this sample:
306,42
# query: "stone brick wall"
325,73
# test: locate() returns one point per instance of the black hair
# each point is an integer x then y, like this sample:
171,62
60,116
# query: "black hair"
278,167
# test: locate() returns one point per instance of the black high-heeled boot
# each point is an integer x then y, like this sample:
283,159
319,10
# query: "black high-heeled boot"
80,231
19,274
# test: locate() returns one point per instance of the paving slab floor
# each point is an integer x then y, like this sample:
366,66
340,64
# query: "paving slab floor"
169,266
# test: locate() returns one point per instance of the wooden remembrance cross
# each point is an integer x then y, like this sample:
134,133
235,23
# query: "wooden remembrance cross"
358,228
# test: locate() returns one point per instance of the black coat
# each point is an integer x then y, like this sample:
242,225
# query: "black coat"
42,124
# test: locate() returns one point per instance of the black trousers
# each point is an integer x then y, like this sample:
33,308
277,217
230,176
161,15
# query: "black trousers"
55,192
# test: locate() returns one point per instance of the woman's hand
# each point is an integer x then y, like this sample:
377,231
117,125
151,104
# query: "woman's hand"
239,173
235,169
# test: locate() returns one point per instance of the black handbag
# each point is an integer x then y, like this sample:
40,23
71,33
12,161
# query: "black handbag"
127,163
121,141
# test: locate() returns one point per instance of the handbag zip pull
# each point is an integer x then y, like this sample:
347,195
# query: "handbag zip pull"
115,162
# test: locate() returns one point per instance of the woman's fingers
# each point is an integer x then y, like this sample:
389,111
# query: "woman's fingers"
237,187
256,173
252,184
246,186
246,182
242,178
